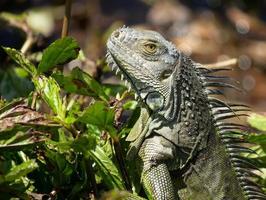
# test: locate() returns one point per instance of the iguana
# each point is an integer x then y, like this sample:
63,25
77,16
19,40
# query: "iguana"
182,138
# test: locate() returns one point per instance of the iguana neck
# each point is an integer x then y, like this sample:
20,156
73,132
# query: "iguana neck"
193,122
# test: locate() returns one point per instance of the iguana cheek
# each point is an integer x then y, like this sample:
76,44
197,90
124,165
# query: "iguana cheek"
154,100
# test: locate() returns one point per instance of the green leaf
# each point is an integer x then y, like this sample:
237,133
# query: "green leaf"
61,169
50,92
81,144
108,170
257,121
82,83
130,105
113,89
84,143
100,115
21,60
21,170
257,138
59,52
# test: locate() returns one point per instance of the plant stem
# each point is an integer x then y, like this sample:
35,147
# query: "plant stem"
121,163
67,18
91,176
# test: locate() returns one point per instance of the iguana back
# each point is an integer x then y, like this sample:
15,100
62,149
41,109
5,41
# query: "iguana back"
182,138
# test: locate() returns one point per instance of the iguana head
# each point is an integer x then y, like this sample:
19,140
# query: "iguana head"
150,64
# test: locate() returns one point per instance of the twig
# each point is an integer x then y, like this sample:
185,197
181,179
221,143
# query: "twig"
91,177
33,102
226,63
28,43
121,163
117,146
67,18
22,24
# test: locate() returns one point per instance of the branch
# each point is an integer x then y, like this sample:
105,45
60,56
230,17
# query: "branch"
28,43
226,63
67,18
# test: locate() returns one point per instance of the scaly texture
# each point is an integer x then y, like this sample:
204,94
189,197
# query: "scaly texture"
183,138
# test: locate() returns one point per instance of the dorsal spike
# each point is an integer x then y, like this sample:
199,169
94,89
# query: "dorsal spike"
228,116
248,172
218,103
227,139
232,148
222,123
238,105
226,110
212,77
204,70
239,163
222,84
214,92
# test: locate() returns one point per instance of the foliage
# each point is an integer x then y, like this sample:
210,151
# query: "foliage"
58,142
258,138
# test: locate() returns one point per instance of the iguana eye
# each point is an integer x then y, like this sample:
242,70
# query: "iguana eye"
166,74
150,48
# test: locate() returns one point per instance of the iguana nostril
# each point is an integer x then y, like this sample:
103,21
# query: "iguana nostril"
116,34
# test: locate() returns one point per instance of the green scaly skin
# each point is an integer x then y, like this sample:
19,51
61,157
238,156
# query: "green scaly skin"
184,148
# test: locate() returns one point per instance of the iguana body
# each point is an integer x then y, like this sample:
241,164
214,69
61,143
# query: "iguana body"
180,139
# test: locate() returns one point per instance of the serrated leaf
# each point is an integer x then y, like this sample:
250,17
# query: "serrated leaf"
108,170
257,121
82,83
21,170
62,169
100,115
59,52
84,143
21,60
50,92
90,82
26,144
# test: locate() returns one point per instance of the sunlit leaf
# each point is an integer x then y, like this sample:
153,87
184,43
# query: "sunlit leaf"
50,92
21,170
119,195
82,83
21,60
257,138
257,121
108,170
100,115
59,52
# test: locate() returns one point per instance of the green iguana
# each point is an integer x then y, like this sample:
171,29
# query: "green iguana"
182,135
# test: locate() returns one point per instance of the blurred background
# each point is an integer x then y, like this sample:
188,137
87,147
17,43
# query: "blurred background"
209,31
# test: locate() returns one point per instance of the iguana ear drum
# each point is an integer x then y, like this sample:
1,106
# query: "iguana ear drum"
154,100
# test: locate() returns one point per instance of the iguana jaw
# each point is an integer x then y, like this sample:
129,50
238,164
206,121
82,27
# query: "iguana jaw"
129,82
